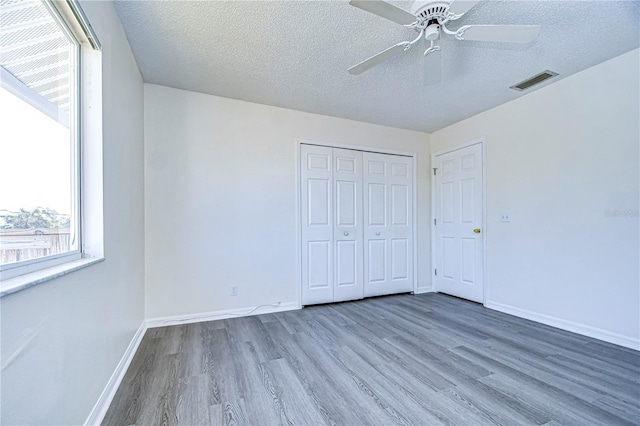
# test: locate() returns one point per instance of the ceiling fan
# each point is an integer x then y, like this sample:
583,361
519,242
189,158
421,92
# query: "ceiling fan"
430,19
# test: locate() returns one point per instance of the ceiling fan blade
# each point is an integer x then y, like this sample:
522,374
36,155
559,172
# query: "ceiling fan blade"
386,10
500,33
377,59
460,7
432,68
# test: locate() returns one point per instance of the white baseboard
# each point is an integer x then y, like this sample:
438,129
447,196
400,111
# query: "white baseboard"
574,327
217,315
421,290
100,409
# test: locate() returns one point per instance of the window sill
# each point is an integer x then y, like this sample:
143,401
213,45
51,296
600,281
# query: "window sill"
31,279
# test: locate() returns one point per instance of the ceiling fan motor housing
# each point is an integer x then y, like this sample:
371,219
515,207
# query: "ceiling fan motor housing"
430,10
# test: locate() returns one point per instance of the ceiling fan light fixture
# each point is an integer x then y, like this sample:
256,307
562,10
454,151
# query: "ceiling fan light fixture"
432,32
533,81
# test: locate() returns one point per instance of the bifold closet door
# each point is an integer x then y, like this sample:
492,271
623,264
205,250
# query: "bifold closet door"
316,192
388,215
348,226
332,226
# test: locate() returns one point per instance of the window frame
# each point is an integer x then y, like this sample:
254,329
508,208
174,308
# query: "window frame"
74,24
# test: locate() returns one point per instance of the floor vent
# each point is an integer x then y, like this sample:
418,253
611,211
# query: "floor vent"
532,81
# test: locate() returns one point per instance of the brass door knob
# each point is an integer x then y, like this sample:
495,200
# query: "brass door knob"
477,230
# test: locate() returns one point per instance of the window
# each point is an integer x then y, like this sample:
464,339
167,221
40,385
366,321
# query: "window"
40,144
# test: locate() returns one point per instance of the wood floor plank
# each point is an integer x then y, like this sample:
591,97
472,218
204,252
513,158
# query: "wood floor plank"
404,359
216,415
523,369
228,374
297,407
412,384
623,357
540,368
364,318
364,404
157,406
192,407
452,366
257,334
135,384
234,413
621,407
212,368
256,392
579,360
509,326
488,409
389,396
332,406
537,397
509,408
419,368
417,323
593,378
560,392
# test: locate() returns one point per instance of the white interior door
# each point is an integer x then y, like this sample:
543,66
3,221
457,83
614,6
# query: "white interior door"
348,227
458,223
388,215
316,195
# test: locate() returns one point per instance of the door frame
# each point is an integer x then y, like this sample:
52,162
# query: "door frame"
482,141
414,157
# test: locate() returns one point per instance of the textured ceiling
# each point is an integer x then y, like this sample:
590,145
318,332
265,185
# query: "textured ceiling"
295,54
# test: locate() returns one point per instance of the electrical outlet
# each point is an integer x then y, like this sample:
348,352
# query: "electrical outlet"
505,217
234,290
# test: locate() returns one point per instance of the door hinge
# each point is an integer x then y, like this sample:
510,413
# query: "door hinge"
434,221
435,272
434,170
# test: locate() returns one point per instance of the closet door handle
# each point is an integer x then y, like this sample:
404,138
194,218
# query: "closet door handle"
346,234
377,233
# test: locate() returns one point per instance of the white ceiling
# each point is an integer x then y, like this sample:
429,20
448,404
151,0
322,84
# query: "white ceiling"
295,54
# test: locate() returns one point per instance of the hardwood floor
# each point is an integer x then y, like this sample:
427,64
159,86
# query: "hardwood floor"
426,359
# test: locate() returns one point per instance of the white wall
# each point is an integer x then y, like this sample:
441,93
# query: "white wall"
220,198
557,159
68,334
